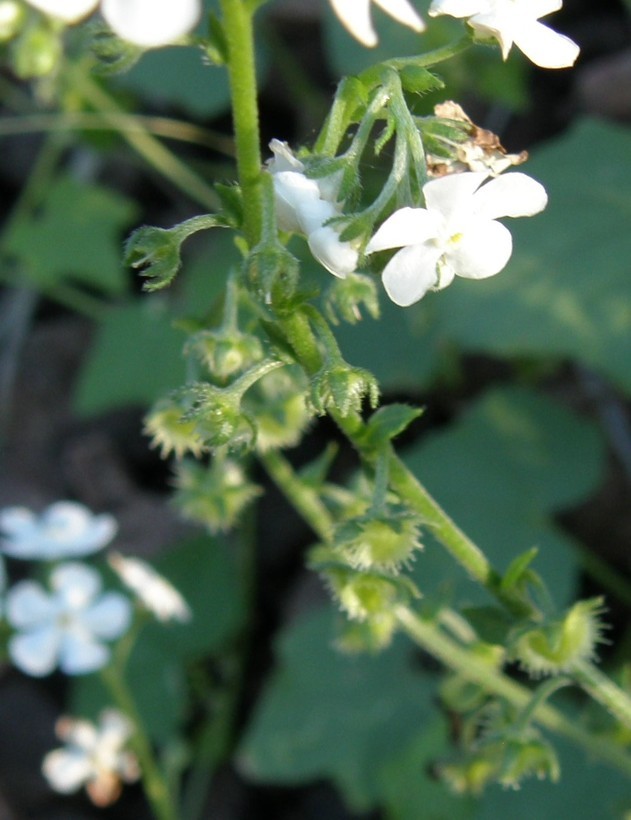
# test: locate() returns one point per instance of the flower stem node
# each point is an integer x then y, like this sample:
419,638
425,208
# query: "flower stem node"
214,496
554,647
382,542
342,387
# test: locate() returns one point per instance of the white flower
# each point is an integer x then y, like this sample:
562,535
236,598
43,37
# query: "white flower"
515,21
151,23
70,11
64,530
155,592
303,206
94,757
355,17
67,626
456,234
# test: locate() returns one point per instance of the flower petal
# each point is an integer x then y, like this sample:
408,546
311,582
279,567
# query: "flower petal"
75,584
80,654
294,191
35,652
482,251
457,8
411,273
403,12
339,258
355,17
546,47
407,226
109,617
151,23
512,195
28,605
66,770
452,193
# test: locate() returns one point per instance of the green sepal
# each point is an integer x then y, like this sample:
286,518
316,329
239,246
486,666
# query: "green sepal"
231,198
113,55
418,80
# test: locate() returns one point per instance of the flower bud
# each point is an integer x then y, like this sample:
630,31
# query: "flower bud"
214,496
527,757
37,52
347,296
384,542
170,432
225,352
554,647
277,402
343,387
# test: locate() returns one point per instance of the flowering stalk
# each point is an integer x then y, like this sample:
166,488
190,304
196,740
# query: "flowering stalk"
237,19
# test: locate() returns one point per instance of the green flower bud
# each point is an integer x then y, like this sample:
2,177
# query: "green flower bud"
278,404
470,776
214,496
218,417
554,647
343,387
225,352
384,542
272,272
37,52
170,432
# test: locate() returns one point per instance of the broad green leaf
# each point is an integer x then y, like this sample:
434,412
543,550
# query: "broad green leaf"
75,235
387,422
501,472
136,357
566,293
329,715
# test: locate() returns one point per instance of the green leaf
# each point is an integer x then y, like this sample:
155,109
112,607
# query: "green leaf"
565,292
515,572
387,422
502,471
74,235
135,357
328,715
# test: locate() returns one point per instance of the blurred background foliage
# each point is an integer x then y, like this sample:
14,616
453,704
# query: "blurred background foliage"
526,377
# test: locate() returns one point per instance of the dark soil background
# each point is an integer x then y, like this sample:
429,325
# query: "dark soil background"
48,454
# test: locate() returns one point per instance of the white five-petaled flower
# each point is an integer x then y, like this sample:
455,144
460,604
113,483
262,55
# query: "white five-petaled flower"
515,21
455,234
355,17
146,23
156,593
94,757
66,627
304,205
66,529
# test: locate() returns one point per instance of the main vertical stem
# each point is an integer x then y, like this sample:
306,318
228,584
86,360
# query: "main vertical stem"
238,30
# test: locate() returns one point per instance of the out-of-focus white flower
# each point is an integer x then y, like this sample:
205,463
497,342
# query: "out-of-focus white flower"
515,21
66,529
355,17
156,593
66,627
151,23
304,205
70,11
456,234
94,757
